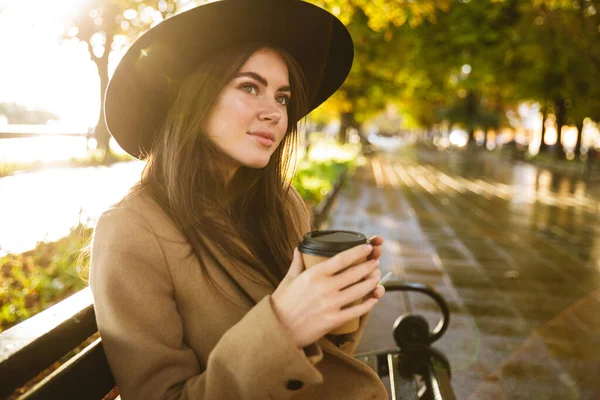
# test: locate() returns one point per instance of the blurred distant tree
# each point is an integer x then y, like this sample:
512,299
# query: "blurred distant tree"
107,25
422,90
558,61
372,81
366,90
460,59
584,26
17,114
383,15
471,62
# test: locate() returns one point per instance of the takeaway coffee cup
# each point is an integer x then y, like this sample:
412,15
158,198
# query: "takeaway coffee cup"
318,246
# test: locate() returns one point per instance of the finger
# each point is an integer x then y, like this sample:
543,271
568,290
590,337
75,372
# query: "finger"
355,292
376,240
374,274
356,311
345,259
297,265
377,293
354,274
375,254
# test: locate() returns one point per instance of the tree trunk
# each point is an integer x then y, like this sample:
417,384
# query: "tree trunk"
561,115
101,132
428,135
499,109
471,107
543,145
346,122
579,125
485,139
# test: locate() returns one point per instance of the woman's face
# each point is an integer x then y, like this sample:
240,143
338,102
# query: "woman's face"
249,117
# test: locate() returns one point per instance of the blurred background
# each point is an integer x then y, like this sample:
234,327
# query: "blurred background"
434,82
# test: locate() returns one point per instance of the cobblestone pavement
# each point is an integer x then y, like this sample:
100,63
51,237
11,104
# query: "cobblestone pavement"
514,249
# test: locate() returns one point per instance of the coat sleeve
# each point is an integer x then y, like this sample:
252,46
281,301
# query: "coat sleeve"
142,331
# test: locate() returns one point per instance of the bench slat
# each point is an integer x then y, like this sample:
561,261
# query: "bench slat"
36,343
85,376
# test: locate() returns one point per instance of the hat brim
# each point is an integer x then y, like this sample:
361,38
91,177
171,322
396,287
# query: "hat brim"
136,98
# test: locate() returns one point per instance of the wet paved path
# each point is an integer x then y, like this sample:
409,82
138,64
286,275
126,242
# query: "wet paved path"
514,249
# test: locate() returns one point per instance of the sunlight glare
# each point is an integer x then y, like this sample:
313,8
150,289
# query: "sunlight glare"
42,73
71,196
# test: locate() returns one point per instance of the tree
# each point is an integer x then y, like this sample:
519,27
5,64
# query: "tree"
17,114
458,61
372,80
559,60
107,25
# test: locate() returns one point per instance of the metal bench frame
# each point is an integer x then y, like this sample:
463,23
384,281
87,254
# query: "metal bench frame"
416,369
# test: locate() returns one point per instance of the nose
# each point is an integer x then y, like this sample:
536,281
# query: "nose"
270,112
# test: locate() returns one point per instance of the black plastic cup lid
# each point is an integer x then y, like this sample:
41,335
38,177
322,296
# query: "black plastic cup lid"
329,243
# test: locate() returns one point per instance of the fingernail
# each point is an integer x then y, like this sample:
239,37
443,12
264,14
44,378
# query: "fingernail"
295,252
368,248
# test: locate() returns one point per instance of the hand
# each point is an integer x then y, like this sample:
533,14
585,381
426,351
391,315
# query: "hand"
309,302
376,242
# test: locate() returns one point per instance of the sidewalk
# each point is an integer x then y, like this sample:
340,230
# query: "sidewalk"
567,168
517,263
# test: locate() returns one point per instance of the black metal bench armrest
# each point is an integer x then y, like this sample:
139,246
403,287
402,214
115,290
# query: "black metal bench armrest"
414,354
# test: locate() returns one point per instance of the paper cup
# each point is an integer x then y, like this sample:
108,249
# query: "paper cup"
319,246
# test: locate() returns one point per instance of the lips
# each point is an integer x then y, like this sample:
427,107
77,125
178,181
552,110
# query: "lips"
265,139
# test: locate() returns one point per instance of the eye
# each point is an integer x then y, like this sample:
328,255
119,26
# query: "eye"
283,99
249,87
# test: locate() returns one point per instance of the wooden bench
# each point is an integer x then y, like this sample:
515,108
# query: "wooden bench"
29,348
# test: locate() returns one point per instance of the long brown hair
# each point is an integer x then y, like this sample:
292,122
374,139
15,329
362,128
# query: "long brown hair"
184,175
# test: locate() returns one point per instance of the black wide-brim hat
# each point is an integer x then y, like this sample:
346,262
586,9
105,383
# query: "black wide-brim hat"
137,98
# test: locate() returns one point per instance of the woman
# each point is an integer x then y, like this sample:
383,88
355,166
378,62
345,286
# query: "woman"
199,290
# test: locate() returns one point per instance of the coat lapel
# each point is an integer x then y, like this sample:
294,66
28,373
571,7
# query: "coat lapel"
253,284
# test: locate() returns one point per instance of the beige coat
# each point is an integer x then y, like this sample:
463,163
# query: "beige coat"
168,335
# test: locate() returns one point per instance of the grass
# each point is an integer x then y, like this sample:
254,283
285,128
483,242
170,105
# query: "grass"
319,171
35,280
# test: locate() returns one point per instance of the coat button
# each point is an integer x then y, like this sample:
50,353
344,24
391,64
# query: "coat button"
293,384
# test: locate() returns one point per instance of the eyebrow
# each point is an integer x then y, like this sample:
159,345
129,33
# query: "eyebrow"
262,80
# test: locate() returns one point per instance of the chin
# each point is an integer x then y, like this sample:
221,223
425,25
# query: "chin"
256,163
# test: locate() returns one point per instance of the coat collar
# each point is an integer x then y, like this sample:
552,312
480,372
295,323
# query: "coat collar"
253,284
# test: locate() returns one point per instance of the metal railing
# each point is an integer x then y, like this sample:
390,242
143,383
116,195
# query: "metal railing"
417,371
